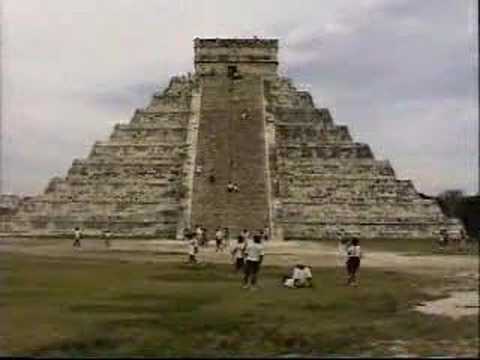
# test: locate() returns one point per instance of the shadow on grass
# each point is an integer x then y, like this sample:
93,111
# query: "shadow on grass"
77,348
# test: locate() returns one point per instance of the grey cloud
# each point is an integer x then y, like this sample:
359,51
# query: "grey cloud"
400,74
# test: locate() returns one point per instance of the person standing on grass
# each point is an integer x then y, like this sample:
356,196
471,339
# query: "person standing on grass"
266,233
204,237
199,233
254,257
77,235
226,232
219,240
238,253
192,249
186,231
107,235
354,255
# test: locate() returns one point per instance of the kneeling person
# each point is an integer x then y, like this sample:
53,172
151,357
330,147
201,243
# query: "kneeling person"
301,277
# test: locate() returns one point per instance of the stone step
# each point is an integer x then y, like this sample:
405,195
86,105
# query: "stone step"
96,171
232,149
143,197
64,227
136,134
292,115
114,184
325,151
294,134
338,212
313,170
330,183
172,118
363,230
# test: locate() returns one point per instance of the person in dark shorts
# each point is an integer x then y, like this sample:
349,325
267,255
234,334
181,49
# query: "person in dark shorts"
77,235
254,257
354,255
186,232
238,253
204,237
192,249
107,236
266,233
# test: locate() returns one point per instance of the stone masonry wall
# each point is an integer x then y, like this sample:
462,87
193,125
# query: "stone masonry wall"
131,184
327,186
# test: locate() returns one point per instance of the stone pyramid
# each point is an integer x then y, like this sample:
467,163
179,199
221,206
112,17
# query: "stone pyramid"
234,120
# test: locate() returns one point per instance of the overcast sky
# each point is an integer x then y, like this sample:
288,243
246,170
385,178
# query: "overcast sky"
401,74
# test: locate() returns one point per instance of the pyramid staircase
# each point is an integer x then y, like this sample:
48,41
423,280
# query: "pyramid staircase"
231,149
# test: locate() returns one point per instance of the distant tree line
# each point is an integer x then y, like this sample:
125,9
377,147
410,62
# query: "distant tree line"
454,203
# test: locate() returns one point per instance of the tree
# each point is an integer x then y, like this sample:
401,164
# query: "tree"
451,202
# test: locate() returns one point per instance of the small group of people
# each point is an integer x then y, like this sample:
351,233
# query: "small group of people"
222,236
300,277
247,252
199,238
263,233
247,255
77,235
455,238
233,187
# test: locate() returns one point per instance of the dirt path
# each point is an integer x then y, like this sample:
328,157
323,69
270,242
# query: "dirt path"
277,253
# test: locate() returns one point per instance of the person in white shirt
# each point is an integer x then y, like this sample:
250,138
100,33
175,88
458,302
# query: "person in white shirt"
192,249
199,233
301,277
77,234
219,237
238,253
266,233
107,235
354,255
254,257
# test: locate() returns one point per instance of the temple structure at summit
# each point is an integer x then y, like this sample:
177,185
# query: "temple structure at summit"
234,120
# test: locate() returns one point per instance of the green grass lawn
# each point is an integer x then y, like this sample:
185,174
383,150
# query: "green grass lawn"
78,308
